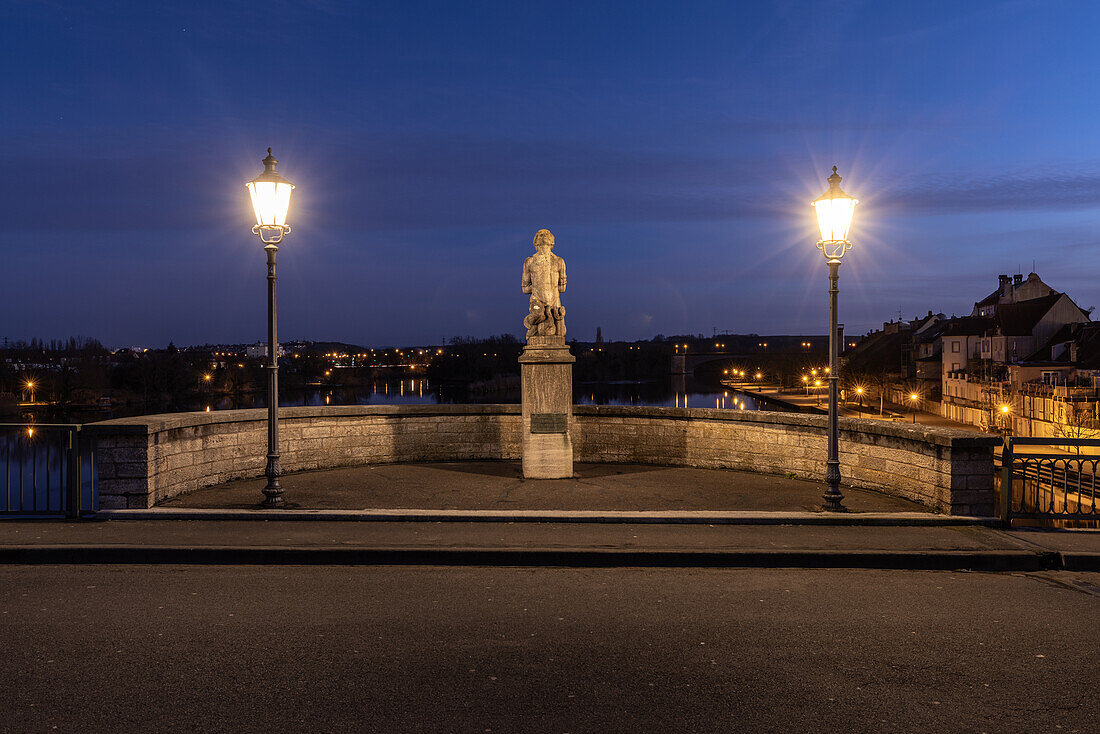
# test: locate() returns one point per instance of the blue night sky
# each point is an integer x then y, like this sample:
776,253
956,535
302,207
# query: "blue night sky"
672,148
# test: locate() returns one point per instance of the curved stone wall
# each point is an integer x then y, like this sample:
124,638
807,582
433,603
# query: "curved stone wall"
146,459
947,469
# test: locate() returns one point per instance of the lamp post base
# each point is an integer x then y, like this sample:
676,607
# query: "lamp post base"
273,493
832,500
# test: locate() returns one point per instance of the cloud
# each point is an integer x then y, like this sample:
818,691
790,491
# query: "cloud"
1050,188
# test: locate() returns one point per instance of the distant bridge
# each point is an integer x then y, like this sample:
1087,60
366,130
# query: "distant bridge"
768,349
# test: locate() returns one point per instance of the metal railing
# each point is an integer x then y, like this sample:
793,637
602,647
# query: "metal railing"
48,470
1038,485
1073,392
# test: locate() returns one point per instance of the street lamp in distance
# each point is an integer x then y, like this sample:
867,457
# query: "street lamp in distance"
834,211
270,194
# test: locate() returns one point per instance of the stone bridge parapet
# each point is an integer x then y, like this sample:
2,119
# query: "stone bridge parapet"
146,459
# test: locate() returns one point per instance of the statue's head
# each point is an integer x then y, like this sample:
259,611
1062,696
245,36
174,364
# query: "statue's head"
543,238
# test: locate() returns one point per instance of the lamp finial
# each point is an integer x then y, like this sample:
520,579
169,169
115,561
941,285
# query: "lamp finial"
269,162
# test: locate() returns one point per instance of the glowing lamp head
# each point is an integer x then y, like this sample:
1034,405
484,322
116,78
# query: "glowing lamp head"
1004,409
834,218
270,194
913,396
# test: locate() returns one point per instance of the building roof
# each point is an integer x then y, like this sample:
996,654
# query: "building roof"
989,300
1088,346
1019,319
877,353
932,331
967,326
1085,336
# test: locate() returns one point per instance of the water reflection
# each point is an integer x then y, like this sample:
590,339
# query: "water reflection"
36,470
676,392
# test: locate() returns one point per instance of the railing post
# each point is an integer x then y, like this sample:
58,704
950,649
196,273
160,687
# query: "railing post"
73,490
1006,481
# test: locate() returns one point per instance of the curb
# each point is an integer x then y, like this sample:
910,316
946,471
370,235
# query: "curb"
1005,560
1081,561
881,519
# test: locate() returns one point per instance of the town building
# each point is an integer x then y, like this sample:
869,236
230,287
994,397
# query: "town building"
993,359
1025,361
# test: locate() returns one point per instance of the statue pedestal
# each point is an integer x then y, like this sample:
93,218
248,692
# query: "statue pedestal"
546,373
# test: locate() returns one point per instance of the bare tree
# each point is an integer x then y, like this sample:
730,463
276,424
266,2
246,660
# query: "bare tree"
1075,424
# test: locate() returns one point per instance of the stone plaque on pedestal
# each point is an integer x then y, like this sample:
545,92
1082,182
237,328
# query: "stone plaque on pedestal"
546,371
546,368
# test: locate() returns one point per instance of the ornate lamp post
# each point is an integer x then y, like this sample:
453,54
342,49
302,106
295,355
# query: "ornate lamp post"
270,194
834,217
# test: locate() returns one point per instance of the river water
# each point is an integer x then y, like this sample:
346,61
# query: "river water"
678,392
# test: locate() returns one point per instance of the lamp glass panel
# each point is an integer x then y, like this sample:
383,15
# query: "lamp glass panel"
270,202
834,217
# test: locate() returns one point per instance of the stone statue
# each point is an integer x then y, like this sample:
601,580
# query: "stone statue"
544,279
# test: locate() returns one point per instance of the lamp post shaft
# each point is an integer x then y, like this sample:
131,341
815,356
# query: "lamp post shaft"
273,493
832,497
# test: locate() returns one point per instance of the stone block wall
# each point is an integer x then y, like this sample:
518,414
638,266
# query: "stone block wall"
146,459
946,469
143,460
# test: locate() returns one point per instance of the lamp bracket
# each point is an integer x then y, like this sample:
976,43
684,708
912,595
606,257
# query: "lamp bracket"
271,234
834,249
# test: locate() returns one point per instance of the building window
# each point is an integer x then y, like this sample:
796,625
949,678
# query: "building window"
954,346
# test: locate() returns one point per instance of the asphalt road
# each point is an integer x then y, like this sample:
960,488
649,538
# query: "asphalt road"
396,649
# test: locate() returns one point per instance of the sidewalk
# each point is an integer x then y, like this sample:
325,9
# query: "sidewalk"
498,487
485,513
275,542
